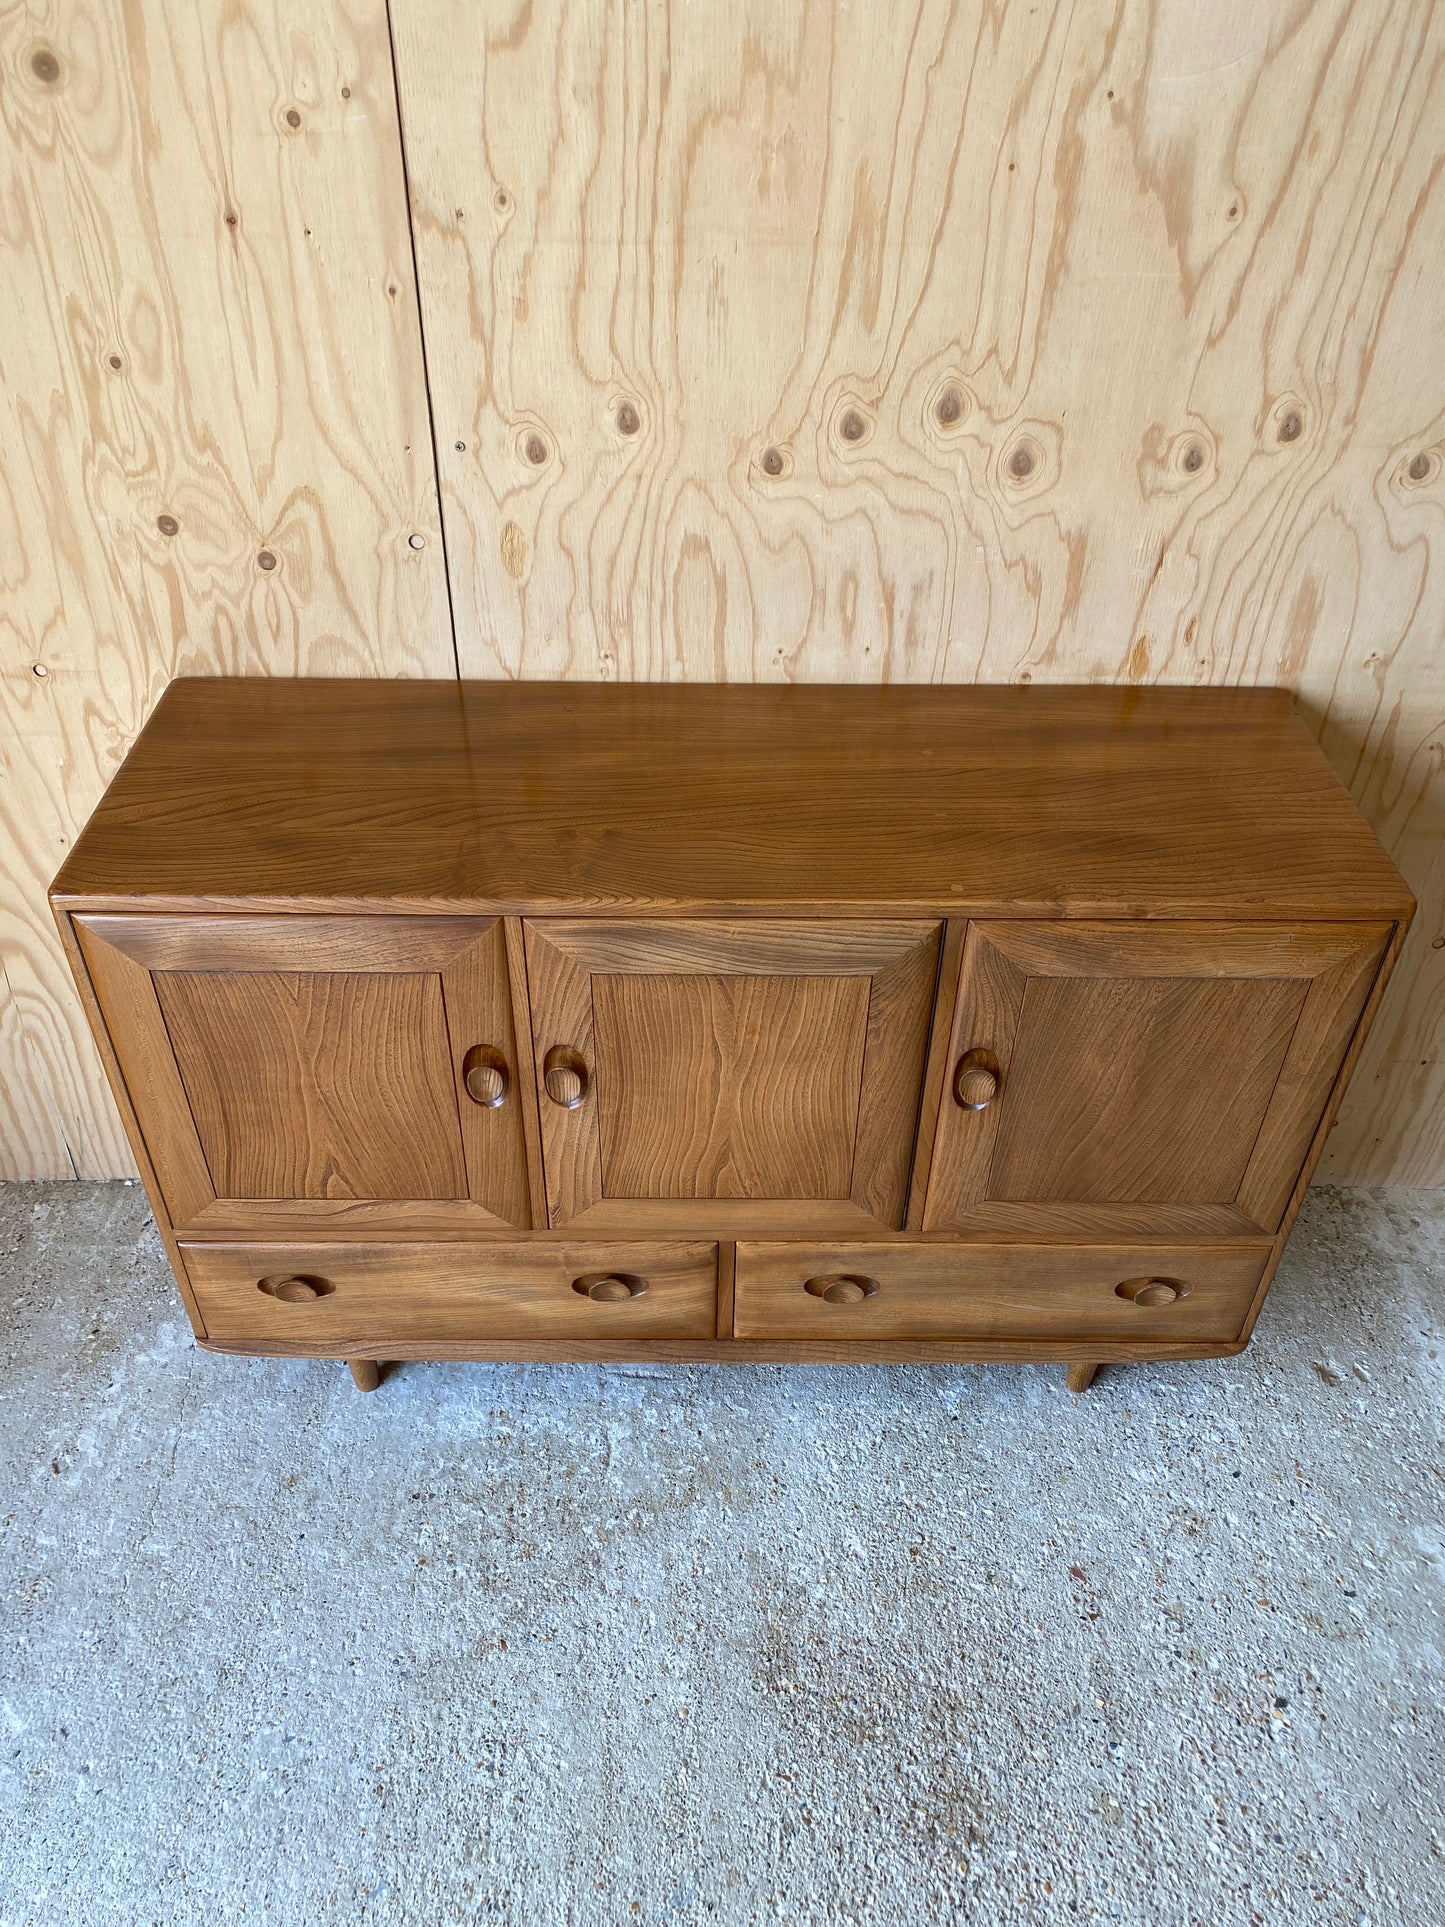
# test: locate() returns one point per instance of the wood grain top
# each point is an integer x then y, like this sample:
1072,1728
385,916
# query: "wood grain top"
1037,801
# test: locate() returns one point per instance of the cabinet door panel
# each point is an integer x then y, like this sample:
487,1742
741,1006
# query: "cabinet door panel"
1137,1066
317,1086
759,1061
315,1063
729,1087
1144,1062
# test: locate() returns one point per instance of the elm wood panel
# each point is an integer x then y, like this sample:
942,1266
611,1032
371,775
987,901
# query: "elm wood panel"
986,1014
780,947
1043,801
1328,1119
318,1085
137,1032
316,1219
1321,1041
1139,1091
223,942
1153,949
1020,1291
477,997
765,1080
251,1067
1124,1041
729,1087
95,1017
741,1351
560,995
435,1294
938,1066
526,1079
900,1017
727,1264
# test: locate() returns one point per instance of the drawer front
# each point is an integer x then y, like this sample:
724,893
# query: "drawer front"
324,1298
870,1292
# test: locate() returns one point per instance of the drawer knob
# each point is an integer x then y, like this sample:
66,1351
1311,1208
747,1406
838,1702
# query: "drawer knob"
293,1289
975,1081
564,1074
485,1075
1152,1291
842,1288
609,1287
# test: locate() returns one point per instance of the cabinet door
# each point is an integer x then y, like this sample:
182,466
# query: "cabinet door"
1158,1077
766,1063
295,1070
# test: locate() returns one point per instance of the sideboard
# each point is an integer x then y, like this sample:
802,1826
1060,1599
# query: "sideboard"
583,1021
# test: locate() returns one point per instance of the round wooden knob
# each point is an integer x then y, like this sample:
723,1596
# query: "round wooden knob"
609,1287
293,1289
564,1076
1152,1291
975,1081
485,1075
842,1288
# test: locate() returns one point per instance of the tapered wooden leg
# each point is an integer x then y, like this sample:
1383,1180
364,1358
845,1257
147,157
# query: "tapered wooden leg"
367,1373
1081,1377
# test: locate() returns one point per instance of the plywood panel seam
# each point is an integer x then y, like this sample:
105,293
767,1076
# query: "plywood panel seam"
421,333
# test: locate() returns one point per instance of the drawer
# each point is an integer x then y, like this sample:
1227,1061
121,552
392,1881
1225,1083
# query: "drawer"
877,1291
325,1298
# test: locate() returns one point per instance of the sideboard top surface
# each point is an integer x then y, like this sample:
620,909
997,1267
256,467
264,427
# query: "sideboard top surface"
1037,801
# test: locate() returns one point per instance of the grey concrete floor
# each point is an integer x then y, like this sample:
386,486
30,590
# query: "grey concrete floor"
740,1644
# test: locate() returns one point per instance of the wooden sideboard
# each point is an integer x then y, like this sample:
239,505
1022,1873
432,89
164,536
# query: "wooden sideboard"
578,1021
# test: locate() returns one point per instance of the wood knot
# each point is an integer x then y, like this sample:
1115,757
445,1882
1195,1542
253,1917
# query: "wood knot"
293,119
628,419
168,525
1192,460
535,449
45,65
1289,424
851,425
949,407
773,463
1421,467
266,560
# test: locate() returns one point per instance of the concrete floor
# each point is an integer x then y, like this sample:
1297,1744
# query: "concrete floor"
737,1644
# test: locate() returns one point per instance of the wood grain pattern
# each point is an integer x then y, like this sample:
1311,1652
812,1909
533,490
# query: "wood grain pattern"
760,1060
729,1087
1159,1064
742,1351
319,1096
962,1291
1315,1149
1144,1091
135,1030
214,446
334,796
1138,308
318,1085
451,1293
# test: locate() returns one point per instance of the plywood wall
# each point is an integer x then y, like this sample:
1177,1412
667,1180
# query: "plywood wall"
781,339
214,444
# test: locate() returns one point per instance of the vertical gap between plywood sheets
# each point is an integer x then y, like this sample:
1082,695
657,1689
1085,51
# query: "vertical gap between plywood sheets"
421,335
